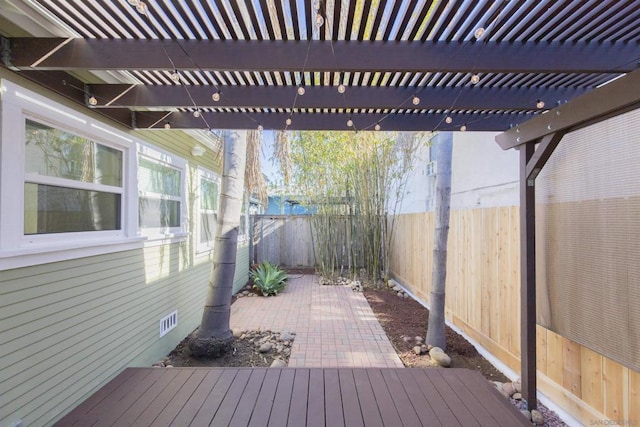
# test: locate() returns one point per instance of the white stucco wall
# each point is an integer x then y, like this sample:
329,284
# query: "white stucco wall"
483,175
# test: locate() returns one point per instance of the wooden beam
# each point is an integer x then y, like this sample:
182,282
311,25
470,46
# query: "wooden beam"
527,279
350,56
543,152
610,100
465,98
325,121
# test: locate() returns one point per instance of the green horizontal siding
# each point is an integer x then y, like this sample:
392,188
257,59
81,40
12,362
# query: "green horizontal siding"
66,328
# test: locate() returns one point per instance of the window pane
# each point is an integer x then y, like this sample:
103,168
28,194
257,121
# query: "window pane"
208,195
207,227
53,152
155,213
157,178
49,209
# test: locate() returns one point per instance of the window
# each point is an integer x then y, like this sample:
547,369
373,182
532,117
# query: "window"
209,199
243,233
67,182
71,184
160,192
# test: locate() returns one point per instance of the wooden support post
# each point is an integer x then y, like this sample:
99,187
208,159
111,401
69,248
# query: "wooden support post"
527,279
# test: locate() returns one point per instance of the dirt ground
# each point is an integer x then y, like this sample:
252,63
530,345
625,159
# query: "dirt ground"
405,317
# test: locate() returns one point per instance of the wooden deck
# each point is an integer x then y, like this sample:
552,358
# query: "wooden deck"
296,397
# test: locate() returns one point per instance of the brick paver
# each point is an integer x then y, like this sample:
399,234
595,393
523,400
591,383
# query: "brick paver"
334,326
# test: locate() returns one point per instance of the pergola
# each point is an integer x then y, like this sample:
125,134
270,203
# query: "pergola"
531,69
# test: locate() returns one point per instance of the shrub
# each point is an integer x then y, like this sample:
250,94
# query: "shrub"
268,278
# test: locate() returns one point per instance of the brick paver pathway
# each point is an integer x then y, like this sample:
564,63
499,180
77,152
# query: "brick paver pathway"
334,326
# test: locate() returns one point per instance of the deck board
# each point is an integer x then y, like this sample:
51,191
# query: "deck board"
296,397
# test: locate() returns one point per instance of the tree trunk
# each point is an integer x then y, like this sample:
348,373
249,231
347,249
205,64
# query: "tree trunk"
436,326
214,336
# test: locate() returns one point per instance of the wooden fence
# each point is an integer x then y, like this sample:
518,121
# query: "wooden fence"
283,240
483,299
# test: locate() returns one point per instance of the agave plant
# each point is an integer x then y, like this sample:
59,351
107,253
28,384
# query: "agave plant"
268,278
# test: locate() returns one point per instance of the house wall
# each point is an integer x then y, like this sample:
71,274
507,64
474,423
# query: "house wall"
489,177
68,327
483,287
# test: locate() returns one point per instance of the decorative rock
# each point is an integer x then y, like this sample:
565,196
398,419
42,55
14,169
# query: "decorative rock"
397,288
504,393
509,389
168,366
417,350
405,295
536,417
517,396
406,339
526,413
419,339
424,348
265,348
243,336
286,336
439,357
236,333
518,386
278,363
390,284
400,294
158,365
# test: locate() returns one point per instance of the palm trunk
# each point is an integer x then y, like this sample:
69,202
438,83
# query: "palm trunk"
435,330
214,336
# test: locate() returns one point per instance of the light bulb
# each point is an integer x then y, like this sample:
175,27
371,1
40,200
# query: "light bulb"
215,96
142,8
475,78
377,126
196,114
301,90
448,119
133,2
341,88
167,125
349,123
175,76
319,20
540,103
463,128
479,33
288,121
93,100
415,100
260,128
316,4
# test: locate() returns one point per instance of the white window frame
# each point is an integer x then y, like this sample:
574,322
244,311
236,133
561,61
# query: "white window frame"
213,177
244,211
19,250
175,162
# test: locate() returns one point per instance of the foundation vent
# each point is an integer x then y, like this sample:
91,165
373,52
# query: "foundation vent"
168,322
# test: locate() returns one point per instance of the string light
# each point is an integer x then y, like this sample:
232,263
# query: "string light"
142,8
349,123
463,128
377,126
216,96
260,128
175,76
539,103
415,100
475,79
301,90
341,88
288,121
93,100
196,114
134,2
167,125
479,33
448,120
319,20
